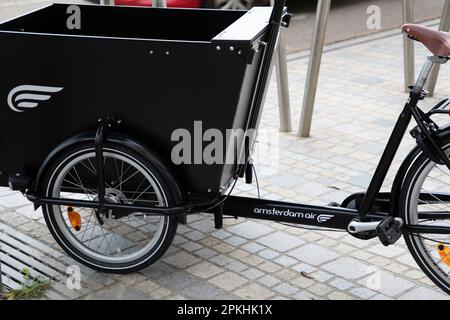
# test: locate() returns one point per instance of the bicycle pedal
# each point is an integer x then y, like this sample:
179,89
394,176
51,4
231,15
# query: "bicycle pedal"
389,230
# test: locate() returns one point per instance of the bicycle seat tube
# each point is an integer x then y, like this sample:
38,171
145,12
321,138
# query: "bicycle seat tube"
396,137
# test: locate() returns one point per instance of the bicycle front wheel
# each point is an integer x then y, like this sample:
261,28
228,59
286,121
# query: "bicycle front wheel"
101,241
425,201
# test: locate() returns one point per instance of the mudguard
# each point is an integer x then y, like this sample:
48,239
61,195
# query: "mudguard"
403,171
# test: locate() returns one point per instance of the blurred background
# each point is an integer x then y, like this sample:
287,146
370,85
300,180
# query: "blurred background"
348,18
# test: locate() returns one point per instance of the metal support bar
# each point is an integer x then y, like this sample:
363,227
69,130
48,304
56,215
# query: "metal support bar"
408,45
122,210
99,140
284,104
312,78
159,3
107,2
426,229
443,26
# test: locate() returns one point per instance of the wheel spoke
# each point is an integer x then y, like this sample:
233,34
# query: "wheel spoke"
140,195
140,184
80,188
131,176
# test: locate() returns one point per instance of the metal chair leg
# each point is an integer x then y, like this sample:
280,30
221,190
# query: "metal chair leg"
408,45
284,105
159,3
234,5
312,78
443,26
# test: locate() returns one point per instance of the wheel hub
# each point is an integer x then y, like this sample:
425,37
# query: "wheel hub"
113,196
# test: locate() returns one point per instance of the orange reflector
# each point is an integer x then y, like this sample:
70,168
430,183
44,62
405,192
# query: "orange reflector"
74,218
444,253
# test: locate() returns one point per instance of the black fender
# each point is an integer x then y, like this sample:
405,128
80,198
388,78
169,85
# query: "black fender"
404,168
124,140
399,179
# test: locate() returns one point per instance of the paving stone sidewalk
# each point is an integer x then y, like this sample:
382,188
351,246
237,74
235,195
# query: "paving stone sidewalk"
360,97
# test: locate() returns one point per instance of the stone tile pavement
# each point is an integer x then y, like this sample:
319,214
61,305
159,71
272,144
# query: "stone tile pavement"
360,96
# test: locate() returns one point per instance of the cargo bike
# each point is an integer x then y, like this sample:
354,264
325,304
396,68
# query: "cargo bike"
92,97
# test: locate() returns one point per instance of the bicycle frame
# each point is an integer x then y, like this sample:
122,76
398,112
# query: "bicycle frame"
326,217
410,110
338,217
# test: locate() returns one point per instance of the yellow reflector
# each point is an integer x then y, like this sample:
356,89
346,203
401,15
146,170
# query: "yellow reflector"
74,218
444,253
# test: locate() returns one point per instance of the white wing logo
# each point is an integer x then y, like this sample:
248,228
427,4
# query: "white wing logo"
27,96
324,218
